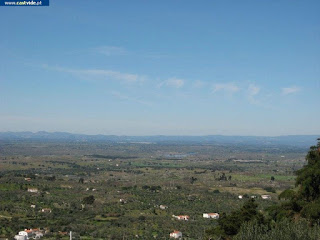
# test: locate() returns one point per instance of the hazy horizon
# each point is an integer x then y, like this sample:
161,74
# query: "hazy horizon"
156,135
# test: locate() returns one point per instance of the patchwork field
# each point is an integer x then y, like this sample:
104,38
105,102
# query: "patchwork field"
113,191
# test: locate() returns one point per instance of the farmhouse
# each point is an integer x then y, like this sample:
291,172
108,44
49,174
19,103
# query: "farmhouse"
163,207
29,234
23,235
240,196
181,217
33,190
211,215
266,197
176,234
46,210
20,237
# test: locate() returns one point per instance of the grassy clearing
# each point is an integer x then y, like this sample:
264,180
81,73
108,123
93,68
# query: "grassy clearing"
239,190
258,177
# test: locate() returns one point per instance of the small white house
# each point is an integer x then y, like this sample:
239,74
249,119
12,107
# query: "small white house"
211,215
46,210
33,190
29,234
163,207
176,234
182,217
266,197
20,237
33,206
240,196
26,234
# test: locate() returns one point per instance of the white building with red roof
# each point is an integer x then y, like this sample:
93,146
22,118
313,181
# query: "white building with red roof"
181,217
176,234
27,234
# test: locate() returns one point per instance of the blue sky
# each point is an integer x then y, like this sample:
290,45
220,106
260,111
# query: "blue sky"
161,67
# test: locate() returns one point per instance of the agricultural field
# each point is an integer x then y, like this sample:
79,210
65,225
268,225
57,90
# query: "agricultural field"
114,190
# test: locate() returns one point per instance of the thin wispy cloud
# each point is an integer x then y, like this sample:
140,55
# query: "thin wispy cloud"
130,99
110,50
252,92
121,51
172,82
198,84
290,90
102,74
127,77
225,87
155,55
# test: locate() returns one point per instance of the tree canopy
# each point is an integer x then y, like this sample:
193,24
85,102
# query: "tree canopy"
308,178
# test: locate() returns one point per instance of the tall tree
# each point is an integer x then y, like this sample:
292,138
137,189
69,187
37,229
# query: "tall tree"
308,178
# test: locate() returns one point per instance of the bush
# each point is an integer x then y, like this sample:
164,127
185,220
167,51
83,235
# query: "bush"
88,200
283,230
229,225
312,211
270,189
288,194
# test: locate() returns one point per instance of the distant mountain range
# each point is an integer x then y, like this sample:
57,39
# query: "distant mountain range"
291,140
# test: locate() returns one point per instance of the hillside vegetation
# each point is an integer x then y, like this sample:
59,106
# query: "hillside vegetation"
295,217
